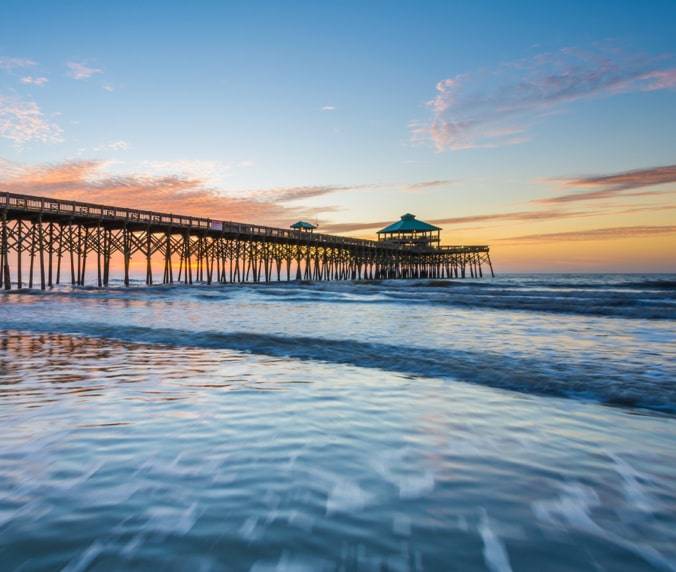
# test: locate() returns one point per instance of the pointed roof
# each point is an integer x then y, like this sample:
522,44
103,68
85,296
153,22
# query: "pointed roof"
409,223
303,225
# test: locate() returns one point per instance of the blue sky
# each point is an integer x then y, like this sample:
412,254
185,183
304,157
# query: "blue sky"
256,100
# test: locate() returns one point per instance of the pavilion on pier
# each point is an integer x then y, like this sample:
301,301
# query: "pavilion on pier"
409,232
303,226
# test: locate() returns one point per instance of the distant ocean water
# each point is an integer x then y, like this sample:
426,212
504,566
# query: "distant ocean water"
522,423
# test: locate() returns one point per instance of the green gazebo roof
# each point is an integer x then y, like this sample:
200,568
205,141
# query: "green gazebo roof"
408,223
302,225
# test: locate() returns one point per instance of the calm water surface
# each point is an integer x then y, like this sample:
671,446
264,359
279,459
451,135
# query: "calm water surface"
526,423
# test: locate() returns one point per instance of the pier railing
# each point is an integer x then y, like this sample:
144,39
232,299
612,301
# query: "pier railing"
34,204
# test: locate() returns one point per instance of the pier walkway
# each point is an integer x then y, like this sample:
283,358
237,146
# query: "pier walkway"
43,240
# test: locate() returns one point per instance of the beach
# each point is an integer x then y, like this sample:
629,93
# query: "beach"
525,423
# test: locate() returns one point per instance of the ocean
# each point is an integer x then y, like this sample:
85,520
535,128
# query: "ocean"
524,423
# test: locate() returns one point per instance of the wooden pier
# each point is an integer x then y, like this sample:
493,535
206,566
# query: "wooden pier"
47,242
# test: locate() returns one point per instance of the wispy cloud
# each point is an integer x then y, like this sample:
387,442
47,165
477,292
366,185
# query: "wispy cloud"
328,108
212,172
340,227
497,107
651,208
597,187
22,121
661,79
288,194
424,185
119,145
519,216
80,70
9,169
9,63
34,80
612,233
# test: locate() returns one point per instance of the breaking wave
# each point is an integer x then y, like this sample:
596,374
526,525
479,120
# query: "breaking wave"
652,298
601,381
649,299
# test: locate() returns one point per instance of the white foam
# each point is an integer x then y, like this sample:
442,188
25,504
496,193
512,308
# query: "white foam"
82,562
495,553
346,496
410,486
572,510
250,530
415,486
291,563
634,492
301,520
172,520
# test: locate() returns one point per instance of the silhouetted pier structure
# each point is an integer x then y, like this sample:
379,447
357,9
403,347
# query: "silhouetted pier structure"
48,241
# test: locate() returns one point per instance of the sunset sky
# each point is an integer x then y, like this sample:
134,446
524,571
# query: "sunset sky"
545,129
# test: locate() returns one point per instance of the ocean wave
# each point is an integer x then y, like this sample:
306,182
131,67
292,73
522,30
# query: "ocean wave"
648,299
637,285
605,303
603,381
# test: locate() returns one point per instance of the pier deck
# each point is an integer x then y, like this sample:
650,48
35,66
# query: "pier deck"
43,239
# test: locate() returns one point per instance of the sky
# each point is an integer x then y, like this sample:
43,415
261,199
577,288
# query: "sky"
546,130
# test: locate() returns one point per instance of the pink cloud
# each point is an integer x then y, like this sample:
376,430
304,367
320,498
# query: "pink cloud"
79,70
614,184
285,194
425,185
612,233
22,121
497,107
88,181
31,80
9,63
660,80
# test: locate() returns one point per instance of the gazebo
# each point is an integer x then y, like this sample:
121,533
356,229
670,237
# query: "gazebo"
303,226
411,233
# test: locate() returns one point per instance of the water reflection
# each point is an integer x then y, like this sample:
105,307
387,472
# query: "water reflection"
130,456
